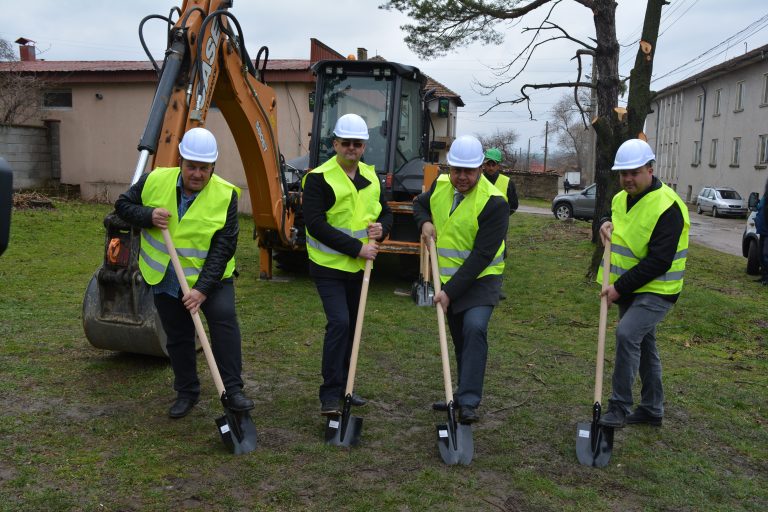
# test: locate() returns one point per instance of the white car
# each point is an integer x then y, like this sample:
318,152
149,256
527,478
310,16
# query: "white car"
721,201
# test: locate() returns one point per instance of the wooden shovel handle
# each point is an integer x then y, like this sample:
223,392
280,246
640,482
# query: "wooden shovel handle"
195,316
441,324
603,323
358,328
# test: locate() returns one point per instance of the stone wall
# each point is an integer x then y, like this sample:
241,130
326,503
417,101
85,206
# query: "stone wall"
535,184
33,154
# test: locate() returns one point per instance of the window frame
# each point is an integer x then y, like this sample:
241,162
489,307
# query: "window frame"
735,151
60,92
696,153
699,107
739,107
713,152
718,96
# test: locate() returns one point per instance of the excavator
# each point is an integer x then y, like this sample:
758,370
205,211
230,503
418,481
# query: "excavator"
206,61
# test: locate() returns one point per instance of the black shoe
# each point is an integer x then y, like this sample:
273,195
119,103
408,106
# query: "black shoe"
238,402
642,416
468,415
614,418
502,296
181,407
439,406
330,408
357,400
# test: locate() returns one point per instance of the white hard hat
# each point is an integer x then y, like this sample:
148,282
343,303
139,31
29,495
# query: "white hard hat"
351,126
199,145
466,151
633,154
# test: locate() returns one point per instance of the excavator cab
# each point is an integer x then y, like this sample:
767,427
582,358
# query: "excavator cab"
391,99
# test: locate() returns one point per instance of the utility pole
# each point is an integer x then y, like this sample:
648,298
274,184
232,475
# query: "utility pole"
546,137
528,157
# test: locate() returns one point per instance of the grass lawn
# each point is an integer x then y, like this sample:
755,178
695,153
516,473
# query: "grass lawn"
86,429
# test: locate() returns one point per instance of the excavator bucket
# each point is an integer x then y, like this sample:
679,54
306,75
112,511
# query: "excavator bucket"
118,309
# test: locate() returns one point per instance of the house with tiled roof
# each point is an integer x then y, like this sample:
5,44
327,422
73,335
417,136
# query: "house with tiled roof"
97,110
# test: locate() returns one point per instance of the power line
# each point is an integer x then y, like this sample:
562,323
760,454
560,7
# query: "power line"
731,41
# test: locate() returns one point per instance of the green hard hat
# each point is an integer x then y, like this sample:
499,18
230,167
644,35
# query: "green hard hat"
493,154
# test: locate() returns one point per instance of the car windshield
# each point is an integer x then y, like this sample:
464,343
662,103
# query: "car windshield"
729,194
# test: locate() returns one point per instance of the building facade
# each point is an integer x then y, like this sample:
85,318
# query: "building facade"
100,109
711,129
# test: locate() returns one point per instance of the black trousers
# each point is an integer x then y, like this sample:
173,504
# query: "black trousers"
341,299
219,311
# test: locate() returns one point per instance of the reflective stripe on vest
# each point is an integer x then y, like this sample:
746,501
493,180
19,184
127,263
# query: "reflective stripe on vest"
632,231
502,185
192,236
456,231
351,213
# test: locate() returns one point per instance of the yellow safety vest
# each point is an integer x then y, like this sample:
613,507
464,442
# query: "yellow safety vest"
192,236
456,231
351,213
632,231
502,184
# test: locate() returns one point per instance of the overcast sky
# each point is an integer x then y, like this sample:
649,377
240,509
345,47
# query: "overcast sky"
106,30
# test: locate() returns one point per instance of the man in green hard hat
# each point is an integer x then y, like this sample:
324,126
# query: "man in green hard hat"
491,168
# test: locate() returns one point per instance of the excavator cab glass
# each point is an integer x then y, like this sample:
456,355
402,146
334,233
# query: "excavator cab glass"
389,96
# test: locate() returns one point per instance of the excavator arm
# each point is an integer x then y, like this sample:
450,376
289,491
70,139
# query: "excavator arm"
216,68
205,63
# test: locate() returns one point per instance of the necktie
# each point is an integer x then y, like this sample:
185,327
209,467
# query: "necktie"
457,197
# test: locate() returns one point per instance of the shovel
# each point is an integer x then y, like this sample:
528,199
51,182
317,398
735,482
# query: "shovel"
421,290
236,427
345,430
594,442
454,440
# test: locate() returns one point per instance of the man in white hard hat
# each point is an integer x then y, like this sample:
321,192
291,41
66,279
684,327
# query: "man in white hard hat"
346,215
468,218
199,209
648,230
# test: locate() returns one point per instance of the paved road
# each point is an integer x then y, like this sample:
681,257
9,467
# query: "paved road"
722,234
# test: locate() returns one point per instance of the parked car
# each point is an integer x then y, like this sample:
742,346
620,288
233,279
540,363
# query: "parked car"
577,205
721,201
750,240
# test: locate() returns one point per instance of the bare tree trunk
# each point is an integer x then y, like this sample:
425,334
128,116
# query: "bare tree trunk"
612,129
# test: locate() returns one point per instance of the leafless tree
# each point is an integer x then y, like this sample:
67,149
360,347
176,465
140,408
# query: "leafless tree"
505,141
21,92
442,26
573,135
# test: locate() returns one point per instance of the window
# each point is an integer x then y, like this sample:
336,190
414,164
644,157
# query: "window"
735,151
739,97
57,99
762,150
718,94
713,153
699,107
696,153
764,100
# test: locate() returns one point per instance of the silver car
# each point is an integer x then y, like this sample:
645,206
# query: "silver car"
721,201
577,205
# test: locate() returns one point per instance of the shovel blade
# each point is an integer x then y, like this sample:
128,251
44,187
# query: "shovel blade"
455,443
343,430
237,431
594,444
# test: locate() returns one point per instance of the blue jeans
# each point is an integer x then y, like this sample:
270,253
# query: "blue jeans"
636,351
469,330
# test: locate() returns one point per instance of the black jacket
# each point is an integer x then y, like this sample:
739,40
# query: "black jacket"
464,288
317,199
511,192
130,208
662,247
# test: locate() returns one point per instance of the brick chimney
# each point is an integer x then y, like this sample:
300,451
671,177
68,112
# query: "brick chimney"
26,49
362,54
